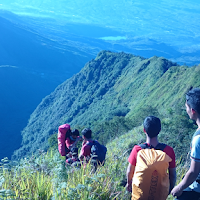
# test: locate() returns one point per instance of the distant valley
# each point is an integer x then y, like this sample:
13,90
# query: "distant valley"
39,53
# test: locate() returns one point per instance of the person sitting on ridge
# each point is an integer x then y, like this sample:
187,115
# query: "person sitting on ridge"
71,141
85,153
92,150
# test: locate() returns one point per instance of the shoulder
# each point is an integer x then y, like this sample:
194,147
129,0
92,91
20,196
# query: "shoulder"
169,151
133,154
135,149
88,144
195,150
68,140
196,140
168,148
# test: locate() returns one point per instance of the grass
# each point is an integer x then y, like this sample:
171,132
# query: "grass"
47,178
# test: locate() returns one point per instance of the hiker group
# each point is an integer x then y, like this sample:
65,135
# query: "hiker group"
91,151
151,171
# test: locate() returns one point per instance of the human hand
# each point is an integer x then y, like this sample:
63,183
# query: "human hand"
79,138
69,155
176,191
129,187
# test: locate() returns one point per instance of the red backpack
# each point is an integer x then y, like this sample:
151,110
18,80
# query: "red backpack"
63,133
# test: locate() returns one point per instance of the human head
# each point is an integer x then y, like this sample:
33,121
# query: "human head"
87,133
152,126
193,100
74,133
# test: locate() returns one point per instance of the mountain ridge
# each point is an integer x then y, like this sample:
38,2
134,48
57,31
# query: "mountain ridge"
112,84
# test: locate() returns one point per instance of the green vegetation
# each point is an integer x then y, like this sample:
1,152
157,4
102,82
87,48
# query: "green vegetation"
46,177
111,85
112,95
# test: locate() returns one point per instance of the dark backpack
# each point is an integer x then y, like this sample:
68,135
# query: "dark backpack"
160,146
98,152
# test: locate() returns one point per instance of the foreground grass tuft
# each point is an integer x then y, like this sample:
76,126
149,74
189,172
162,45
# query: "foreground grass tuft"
47,178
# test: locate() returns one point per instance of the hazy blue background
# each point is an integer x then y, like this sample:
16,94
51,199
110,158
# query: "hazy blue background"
42,43
175,22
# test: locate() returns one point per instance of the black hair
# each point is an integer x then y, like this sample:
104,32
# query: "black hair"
87,133
75,132
152,126
193,99
68,133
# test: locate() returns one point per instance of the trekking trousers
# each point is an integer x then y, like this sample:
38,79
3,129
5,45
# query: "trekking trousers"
189,195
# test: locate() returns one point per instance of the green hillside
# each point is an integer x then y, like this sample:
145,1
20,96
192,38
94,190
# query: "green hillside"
46,177
112,94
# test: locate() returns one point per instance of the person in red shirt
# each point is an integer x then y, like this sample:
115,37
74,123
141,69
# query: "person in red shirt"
71,141
86,148
152,127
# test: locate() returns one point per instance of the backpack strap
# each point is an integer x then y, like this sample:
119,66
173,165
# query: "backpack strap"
145,146
91,142
159,146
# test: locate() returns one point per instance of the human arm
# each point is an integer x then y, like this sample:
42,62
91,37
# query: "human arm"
129,175
131,167
172,178
74,144
172,167
189,178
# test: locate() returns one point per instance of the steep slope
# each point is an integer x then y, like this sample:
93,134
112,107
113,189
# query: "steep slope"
110,84
20,92
31,66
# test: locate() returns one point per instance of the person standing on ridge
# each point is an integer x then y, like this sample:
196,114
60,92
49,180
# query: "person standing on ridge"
189,187
144,179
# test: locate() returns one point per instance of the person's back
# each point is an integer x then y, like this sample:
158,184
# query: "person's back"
148,165
85,153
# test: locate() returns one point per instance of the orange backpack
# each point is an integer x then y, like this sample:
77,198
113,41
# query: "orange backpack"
151,180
